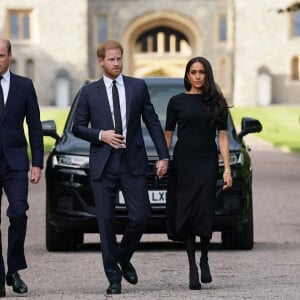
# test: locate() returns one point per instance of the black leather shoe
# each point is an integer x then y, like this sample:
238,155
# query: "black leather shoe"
194,280
205,272
2,291
114,288
129,272
17,283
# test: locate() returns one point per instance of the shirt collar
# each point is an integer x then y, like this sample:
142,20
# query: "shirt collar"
6,76
108,81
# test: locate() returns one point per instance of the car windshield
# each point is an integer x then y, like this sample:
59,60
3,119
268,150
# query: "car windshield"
161,91
160,97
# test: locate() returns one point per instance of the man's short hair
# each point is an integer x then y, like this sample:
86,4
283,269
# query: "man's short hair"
108,45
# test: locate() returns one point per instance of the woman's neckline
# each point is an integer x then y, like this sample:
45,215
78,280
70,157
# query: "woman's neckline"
194,93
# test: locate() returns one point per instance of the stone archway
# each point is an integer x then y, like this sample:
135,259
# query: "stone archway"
168,67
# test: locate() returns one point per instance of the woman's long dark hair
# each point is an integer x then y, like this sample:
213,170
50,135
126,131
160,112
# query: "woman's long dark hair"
214,101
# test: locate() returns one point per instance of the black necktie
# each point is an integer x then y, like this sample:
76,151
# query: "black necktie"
1,97
117,110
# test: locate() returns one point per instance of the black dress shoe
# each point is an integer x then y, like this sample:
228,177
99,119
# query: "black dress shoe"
194,280
129,272
17,283
205,272
2,291
114,288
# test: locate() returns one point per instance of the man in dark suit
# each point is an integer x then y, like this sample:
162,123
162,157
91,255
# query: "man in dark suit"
118,158
17,101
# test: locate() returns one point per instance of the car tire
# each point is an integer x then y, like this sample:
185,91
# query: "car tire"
58,241
242,240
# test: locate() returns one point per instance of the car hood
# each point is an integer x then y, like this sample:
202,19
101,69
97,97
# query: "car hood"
72,145
69,144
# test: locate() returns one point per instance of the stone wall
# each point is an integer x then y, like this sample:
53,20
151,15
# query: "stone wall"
64,42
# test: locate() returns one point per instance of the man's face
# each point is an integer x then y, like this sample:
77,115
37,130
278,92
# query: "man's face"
5,57
112,64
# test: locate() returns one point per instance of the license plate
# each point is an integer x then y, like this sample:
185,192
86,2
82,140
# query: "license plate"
155,197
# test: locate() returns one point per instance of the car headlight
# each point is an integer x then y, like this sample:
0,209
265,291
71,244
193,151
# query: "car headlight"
241,158
70,161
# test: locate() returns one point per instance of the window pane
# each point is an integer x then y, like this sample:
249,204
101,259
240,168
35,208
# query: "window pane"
14,25
102,29
297,23
26,25
222,28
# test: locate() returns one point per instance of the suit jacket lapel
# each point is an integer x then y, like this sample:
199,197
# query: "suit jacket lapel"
128,95
11,95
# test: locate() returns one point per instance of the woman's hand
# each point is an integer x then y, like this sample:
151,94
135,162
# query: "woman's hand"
227,179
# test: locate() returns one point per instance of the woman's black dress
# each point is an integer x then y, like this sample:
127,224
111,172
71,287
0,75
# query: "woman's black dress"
191,189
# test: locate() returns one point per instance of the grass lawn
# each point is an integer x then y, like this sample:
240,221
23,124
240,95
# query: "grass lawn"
281,125
59,115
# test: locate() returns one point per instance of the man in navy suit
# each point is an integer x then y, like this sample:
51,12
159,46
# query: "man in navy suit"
118,158
18,101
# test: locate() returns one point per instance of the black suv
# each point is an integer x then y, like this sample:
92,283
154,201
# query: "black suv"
70,210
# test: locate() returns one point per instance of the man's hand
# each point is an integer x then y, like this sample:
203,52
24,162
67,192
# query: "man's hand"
35,175
161,168
111,138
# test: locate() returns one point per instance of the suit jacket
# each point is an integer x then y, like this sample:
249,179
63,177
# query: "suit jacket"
93,107
21,104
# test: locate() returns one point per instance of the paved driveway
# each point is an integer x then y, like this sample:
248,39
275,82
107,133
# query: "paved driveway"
270,271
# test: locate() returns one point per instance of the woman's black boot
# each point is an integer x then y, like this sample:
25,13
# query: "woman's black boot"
204,266
194,283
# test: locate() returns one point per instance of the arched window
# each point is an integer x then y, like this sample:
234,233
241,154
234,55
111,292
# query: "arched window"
295,68
29,69
163,40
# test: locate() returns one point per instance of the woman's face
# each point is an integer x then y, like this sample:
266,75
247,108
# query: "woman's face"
196,76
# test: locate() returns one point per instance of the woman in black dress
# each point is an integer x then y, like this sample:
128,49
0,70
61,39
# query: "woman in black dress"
199,114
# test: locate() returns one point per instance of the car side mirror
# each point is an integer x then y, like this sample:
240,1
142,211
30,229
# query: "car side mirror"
249,125
49,129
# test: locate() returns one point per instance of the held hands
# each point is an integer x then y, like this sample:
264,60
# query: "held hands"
117,141
161,168
113,139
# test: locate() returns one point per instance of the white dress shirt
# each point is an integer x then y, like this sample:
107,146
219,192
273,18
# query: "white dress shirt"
122,98
5,82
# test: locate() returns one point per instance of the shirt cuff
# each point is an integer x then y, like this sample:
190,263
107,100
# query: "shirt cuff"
100,135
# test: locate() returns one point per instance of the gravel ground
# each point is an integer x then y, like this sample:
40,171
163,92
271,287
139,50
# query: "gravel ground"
270,271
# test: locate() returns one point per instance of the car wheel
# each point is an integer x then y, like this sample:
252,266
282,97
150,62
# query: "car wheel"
58,241
242,240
